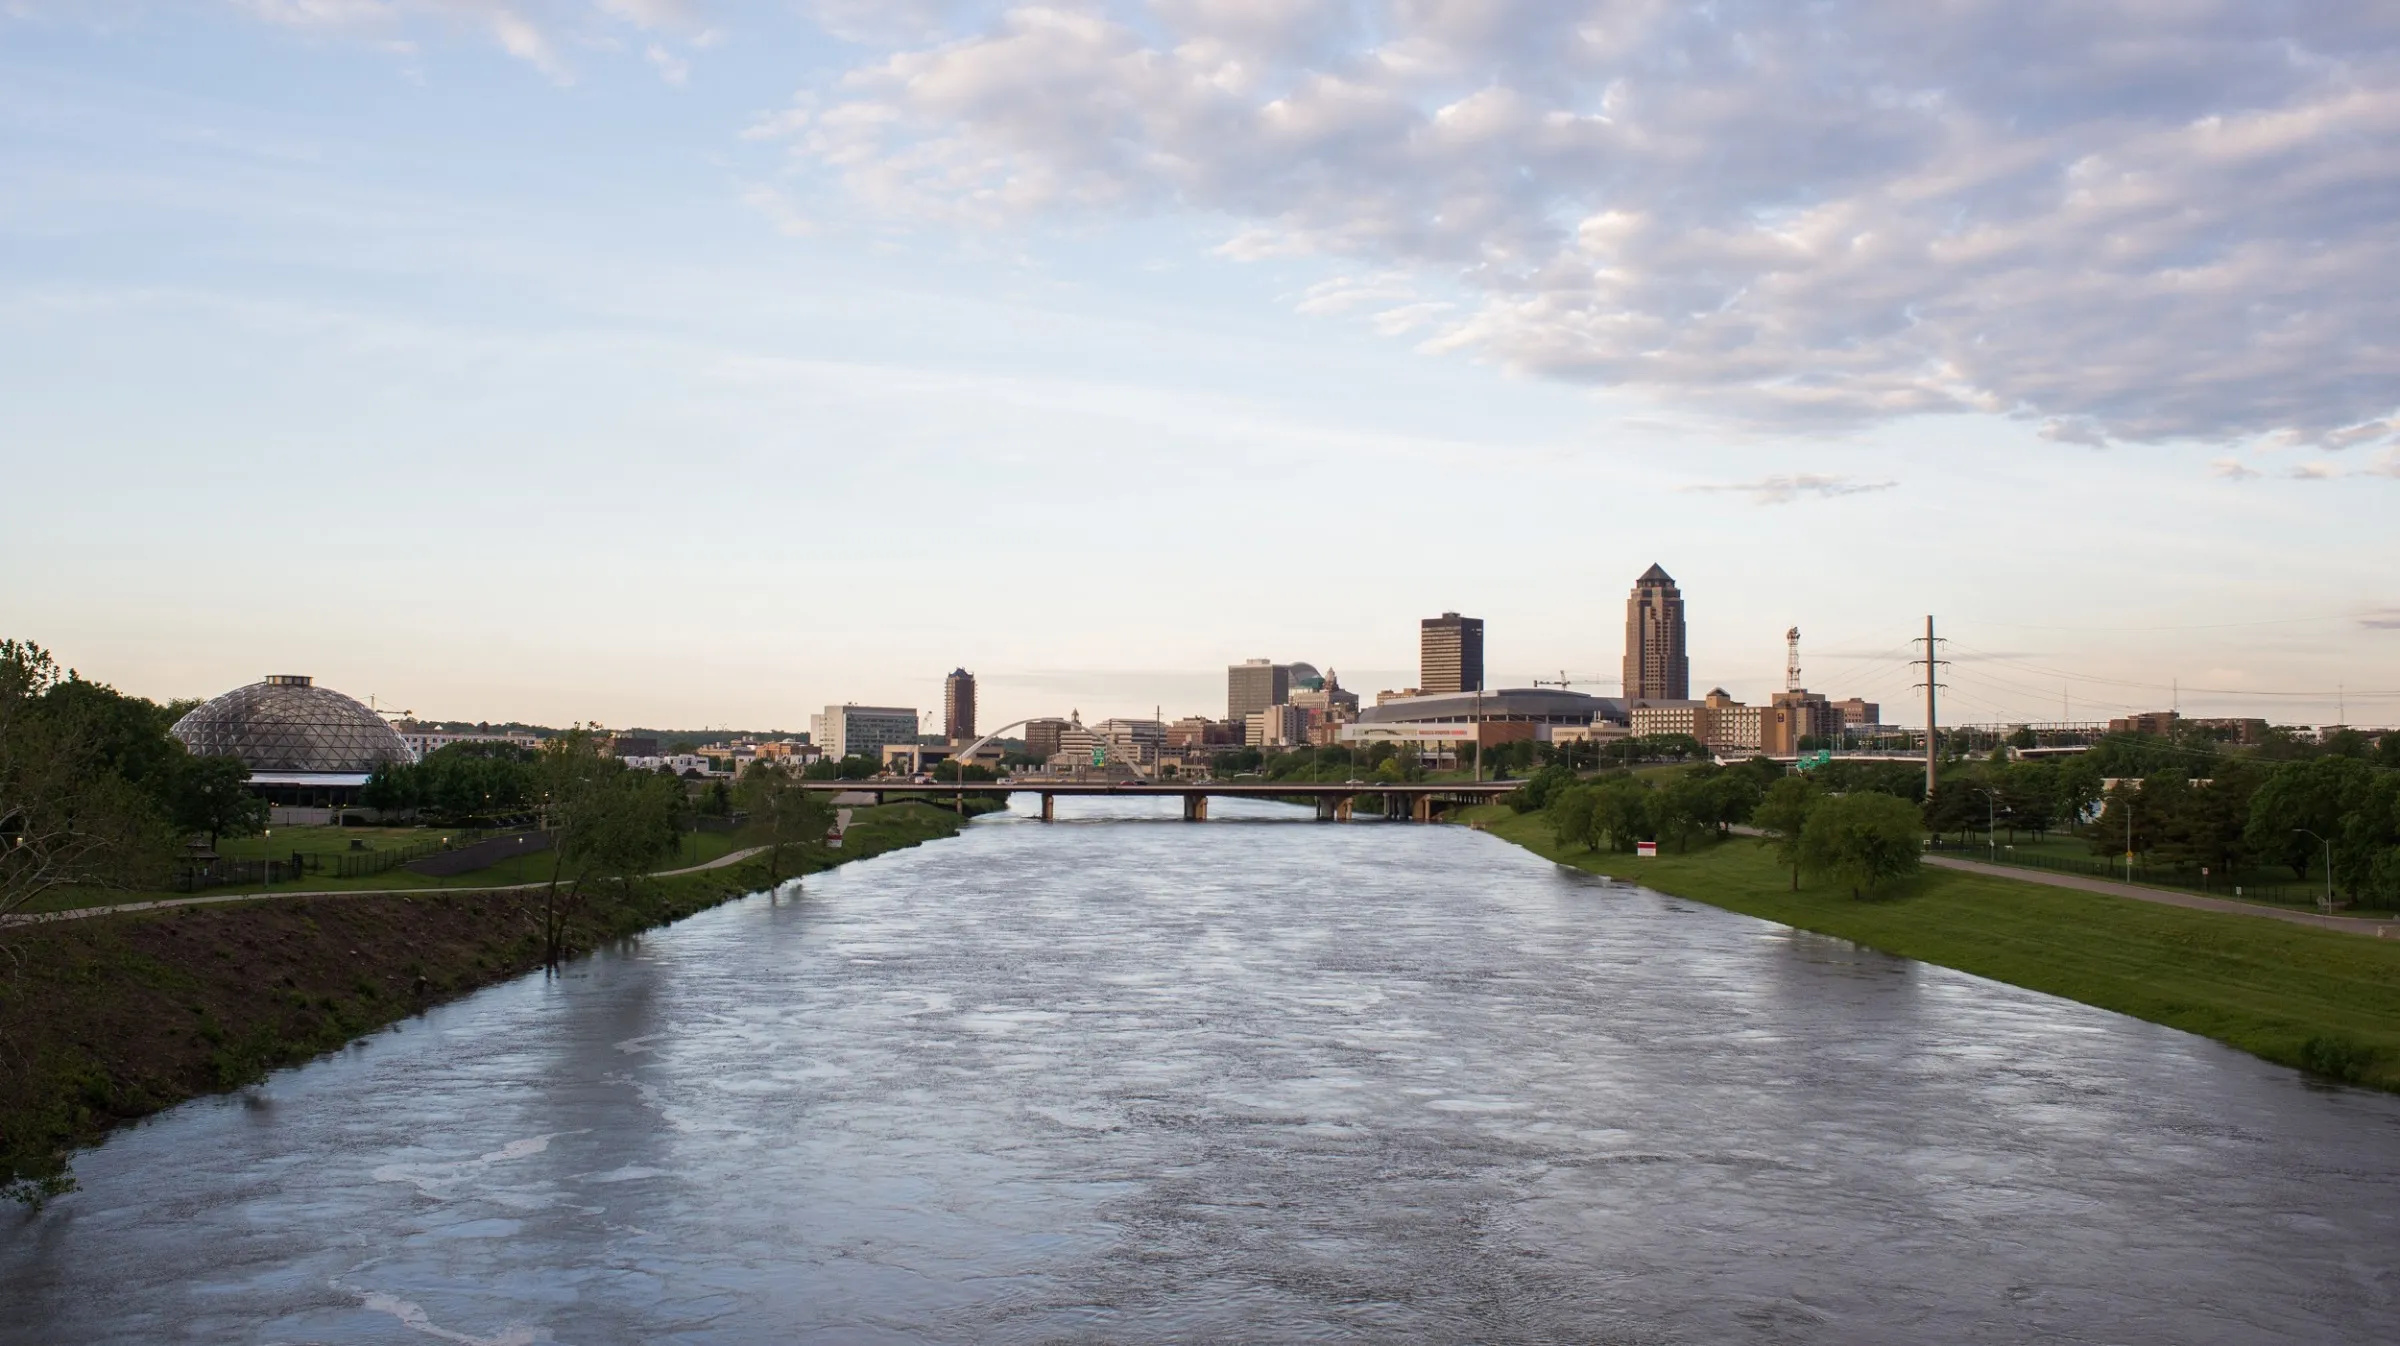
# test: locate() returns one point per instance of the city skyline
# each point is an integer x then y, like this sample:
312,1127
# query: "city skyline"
377,313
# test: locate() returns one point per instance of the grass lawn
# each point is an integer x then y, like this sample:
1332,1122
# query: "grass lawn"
695,848
2318,999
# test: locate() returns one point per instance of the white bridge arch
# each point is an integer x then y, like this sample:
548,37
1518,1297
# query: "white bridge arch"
1108,749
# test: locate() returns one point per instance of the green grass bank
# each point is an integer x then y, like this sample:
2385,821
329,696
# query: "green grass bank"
107,1020
2320,1000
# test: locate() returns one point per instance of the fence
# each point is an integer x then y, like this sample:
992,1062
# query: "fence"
225,873
2251,885
479,854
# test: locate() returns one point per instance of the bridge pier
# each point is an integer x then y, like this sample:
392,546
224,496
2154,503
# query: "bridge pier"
1421,809
1341,808
1195,808
1049,807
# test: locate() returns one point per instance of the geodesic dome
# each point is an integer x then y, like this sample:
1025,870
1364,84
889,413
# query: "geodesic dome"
288,723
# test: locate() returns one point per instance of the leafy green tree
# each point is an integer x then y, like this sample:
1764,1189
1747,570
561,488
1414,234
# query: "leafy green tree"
2298,798
1781,816
788,815
1682,809
1862,841
1621,811
212,795
1569,812
1539,788
67,817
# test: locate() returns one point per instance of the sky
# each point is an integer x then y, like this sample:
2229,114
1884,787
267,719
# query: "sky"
687,363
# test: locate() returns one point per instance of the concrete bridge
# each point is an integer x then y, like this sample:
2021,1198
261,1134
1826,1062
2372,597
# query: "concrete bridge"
1335,800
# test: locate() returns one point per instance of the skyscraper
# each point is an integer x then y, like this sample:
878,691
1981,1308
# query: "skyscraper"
1450,654
1656,666
1254,685
958,706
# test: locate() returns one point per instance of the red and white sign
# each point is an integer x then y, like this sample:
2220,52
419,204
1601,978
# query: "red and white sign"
1648,850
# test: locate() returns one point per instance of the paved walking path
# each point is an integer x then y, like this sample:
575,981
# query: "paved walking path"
721,862
2354,925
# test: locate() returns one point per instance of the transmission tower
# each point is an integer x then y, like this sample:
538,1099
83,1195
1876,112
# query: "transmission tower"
1791,660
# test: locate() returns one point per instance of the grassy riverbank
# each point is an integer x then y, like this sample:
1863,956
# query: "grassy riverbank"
2321,1000
109,1019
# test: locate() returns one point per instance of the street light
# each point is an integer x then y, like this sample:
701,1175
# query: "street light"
1991,835
2328,867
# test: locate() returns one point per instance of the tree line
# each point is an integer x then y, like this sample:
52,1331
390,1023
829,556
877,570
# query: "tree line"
94,790
2186,801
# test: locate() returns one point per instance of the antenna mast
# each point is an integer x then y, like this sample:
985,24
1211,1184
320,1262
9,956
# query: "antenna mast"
1791,660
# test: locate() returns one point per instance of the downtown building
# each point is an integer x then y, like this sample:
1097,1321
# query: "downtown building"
852,730
1658,665
958,706
1253,685
1449,654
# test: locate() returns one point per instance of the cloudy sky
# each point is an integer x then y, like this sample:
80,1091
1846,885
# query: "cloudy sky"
700,362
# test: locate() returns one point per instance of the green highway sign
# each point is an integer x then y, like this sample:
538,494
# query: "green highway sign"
1810,761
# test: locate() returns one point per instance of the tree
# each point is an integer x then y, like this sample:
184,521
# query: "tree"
1569,813
785,813
1621,811
1782,815
1862,840
66,817
212,795
1682,808
2298,798
1537,791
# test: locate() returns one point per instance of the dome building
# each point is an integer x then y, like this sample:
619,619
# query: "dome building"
304,744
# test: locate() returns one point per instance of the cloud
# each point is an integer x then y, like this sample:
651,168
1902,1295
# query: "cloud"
2382,619
673,69
2074,430
2127,222
530,30
1784,488
2232,469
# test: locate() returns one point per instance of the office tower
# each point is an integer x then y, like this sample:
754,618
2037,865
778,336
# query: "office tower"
1450,649
865,731
1253,685
958,706
1042,737
1656,665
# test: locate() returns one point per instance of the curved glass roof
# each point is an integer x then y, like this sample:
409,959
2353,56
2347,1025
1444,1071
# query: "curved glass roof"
287,723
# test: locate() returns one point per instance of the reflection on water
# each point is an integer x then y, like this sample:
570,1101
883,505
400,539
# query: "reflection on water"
1256,1080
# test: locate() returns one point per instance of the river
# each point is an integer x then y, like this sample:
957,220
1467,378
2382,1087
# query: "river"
1122,1078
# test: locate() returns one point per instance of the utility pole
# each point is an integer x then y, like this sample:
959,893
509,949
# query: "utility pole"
1932,734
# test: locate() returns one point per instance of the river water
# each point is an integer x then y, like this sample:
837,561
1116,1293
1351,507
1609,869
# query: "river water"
1122,1078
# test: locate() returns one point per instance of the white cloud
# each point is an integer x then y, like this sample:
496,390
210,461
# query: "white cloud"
2232,469
2131,222
530,30
1784,488
671,68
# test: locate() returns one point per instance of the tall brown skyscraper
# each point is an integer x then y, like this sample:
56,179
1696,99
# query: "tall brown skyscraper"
1450,654
1656,667
958,706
